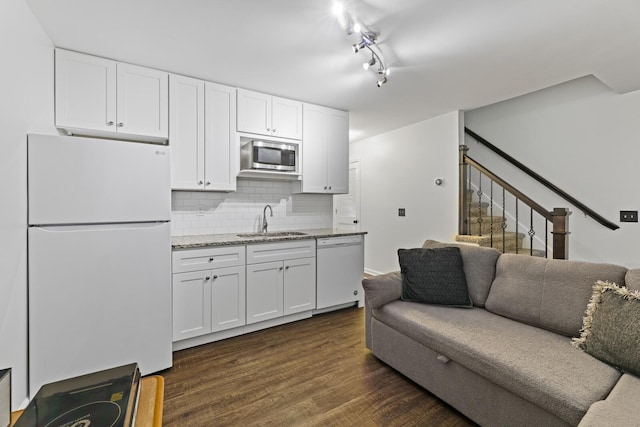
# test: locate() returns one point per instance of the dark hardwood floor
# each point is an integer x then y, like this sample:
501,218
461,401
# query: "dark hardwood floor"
315,372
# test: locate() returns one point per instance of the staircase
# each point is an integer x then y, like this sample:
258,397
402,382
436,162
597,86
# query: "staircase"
547,229
486,230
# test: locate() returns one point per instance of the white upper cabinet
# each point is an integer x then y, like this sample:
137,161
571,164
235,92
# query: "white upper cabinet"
221,149
142,101
101,97
263,114
325,150
204,155
286,118
186,136
85,92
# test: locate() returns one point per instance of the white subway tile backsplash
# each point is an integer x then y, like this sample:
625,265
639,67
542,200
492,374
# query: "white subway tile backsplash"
198,212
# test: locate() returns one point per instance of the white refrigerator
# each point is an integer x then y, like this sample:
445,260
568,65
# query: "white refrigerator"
99,257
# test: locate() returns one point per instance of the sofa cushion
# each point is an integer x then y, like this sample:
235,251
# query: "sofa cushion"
433,276
548,293
533,363
479,268
620,408
611,330
632,279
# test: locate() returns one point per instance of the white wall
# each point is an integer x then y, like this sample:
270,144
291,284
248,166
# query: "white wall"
584,138
398,170
203,212
26,105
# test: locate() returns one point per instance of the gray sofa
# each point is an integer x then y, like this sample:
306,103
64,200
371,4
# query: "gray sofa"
508,361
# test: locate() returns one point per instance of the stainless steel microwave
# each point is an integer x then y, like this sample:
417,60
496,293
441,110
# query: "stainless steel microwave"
265,155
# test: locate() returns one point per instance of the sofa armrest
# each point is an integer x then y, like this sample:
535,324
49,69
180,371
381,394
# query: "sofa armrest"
381,289
620,408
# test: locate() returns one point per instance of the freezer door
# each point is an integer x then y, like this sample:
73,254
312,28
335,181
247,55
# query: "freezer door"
88,181
99,297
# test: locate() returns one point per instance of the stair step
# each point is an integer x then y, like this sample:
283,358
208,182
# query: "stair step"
488,223
511,239
477,209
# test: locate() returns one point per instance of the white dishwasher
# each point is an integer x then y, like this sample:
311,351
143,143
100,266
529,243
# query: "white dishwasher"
340,268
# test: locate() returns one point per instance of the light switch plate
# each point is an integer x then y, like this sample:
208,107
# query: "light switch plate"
401,212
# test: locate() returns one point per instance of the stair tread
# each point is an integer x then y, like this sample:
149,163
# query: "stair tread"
474,238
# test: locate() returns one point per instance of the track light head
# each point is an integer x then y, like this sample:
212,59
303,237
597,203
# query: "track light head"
369,63
382,75
356,47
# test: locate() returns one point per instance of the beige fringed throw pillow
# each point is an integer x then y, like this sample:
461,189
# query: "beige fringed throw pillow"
611,327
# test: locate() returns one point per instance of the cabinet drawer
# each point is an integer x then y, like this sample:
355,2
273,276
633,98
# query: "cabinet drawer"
268,252
207,258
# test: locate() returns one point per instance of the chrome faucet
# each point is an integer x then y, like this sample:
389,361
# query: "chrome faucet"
265,224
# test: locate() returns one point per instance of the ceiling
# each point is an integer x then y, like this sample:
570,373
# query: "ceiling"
444,55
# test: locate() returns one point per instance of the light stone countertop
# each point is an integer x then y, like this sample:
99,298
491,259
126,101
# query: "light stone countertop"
205,240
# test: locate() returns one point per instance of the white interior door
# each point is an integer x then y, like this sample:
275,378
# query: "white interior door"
347,206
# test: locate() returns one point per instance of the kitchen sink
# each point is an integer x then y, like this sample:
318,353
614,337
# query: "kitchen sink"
273,234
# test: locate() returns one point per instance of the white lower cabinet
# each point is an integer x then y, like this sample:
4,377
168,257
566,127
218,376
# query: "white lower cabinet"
299,285
211,298
264,291
224,291
191,305
283,282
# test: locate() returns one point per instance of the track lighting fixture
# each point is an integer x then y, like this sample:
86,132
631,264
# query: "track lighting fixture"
367,41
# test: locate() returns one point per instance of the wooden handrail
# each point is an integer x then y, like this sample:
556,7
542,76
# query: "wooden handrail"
575,202
504,184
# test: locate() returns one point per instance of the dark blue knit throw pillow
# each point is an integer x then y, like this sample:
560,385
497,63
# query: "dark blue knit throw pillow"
434,276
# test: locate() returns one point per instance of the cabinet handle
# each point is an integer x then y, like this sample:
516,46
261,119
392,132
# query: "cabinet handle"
199,182
120,124
207,278
355,221
329,187
211,259
268,130
325,187
110,123
207,183
275,130
215,277
280,268
287,267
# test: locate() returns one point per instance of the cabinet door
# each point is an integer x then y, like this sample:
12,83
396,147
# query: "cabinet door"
227,298
264,291
337,134
191,304
299,285
286,118
254,112
186,137
314,150
142,101
85,92
221,161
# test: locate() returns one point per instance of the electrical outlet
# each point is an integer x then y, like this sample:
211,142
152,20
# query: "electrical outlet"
628,216
401,212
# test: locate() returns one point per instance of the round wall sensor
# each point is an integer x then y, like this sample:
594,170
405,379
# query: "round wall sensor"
438,181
